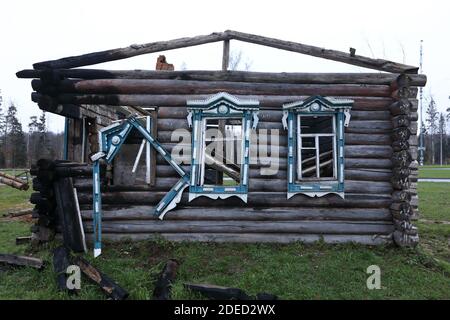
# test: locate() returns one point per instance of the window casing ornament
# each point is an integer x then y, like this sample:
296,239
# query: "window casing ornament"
220,107
314,124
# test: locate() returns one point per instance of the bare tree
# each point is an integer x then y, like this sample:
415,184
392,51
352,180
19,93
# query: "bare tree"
234,60
237,59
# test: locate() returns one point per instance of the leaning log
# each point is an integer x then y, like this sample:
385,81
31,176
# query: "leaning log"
108,286
61,261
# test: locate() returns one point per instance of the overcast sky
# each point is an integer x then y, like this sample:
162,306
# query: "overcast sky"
32,31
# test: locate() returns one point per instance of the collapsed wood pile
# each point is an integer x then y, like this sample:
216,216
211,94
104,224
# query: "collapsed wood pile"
13,181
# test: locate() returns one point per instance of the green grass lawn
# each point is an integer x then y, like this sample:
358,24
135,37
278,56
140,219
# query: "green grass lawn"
12,199
434,173
293,271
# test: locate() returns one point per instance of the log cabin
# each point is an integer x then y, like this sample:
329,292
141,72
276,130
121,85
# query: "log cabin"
319,156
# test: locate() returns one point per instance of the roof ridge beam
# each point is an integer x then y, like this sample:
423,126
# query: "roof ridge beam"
128,52
335,55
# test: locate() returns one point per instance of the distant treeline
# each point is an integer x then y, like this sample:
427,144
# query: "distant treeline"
436,139
18,148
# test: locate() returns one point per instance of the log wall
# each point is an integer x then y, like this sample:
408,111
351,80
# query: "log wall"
365,215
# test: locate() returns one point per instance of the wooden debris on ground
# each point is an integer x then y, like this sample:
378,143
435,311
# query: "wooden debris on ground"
61,261
215,292
23,240
21,261
13,181
164,283
19,213
111,288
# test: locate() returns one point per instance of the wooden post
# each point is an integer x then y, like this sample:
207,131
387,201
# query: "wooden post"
226,55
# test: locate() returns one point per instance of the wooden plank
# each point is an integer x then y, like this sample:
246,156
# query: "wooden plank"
61,261
21,261
68,214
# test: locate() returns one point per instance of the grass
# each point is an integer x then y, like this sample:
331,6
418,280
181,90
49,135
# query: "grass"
12,199
434,200
434,173
293,271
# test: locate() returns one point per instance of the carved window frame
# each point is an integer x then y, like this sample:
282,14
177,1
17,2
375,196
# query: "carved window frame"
339,109
220,106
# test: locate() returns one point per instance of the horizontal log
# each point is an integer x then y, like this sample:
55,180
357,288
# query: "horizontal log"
234,76
260,185
350,151
300,227
360,103
258,173
364,127
127,86
255,199
275,115
350,163
244,214
249,238
279,138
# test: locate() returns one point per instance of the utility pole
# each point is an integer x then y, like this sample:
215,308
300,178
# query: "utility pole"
422,127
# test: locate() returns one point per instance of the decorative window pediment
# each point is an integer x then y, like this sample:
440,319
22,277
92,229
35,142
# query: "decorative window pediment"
316,145
221,127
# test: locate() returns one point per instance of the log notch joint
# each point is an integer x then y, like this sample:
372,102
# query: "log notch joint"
405,233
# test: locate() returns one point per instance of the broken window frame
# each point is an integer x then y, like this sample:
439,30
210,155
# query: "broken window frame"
220,106
318,106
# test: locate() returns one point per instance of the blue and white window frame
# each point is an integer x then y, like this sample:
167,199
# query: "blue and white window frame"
316,106
220,106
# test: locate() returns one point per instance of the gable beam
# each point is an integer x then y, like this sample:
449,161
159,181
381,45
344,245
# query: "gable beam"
135,50
360,61
128,52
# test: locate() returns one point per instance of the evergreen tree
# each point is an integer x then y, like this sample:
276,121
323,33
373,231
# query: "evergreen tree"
432,120
33,148
16,155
